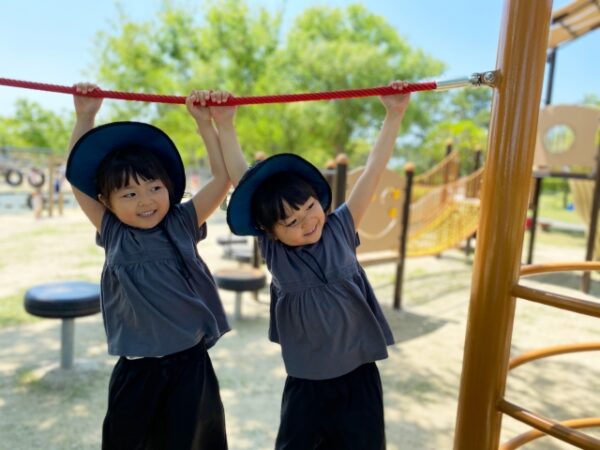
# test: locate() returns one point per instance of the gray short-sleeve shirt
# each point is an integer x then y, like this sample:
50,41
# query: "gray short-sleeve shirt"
324,313
157,295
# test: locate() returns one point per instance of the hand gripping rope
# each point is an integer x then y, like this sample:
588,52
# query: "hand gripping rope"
476,79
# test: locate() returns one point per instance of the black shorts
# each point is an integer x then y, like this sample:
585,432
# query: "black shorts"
171,402
342,413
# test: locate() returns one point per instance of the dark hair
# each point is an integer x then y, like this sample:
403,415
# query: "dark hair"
130,162
268,201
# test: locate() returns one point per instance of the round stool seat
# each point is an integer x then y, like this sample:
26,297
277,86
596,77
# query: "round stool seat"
240,279
63,299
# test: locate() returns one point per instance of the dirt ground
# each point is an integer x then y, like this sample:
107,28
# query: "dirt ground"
43,407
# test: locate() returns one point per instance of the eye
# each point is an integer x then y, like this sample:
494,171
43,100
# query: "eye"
311,205
292,223
156,188
128,195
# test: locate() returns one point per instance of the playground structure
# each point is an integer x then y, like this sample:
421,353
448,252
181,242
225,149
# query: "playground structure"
567,148
38,171
412,216
497,269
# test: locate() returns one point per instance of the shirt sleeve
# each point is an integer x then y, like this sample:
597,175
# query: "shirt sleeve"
108,227
342,225
186,214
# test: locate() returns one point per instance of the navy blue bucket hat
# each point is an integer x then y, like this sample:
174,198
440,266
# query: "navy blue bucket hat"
239,210
95,145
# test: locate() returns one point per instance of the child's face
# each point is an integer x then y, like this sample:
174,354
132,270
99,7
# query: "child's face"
141,205
302,226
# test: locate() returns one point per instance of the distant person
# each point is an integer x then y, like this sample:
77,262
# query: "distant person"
37,203
324,313
160,304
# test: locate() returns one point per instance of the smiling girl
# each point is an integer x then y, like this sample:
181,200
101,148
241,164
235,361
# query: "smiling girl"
160,305
324,313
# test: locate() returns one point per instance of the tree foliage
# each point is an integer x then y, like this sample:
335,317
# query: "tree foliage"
33,126
232,47
248,51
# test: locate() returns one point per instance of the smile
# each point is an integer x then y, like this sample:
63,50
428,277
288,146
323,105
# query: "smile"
147,213
312,231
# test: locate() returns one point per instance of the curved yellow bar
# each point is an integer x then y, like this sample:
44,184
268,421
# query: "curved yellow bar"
532,435
534,269
552,351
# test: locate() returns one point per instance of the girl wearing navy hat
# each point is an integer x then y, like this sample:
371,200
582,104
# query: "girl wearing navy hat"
324,313
160,306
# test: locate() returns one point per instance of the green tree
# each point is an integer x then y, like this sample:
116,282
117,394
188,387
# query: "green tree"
227,46
463,121
181,50
591,100
334,48
33,126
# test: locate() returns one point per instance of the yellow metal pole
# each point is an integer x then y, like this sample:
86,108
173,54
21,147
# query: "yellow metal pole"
521,61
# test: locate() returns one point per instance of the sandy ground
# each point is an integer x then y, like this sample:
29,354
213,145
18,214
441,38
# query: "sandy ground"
43,407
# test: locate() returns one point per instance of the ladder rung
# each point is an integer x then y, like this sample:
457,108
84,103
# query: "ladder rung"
557,300
531,435
534,269
549,426
551,351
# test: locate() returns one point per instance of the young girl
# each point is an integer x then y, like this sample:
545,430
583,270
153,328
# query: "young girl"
323,310
160,306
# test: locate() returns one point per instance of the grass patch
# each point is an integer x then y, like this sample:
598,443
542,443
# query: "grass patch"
561,239
12,311
552,207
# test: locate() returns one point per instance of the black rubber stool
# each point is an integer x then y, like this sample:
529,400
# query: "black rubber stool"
240,280
64,300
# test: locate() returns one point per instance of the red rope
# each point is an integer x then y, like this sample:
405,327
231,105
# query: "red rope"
260,99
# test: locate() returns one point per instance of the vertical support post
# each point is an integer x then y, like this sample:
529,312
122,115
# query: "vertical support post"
535,206
50,185
409,170
448,147
589,253
504,197
237,311
67,339
329,174
341,176
551,69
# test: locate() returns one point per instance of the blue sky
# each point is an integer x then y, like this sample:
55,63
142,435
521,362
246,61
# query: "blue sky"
52,41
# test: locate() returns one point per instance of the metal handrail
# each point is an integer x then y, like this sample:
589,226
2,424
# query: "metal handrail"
552,351
534,269
549,426
557,300
528,436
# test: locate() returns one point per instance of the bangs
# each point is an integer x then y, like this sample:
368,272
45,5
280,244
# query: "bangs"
270,199
128,164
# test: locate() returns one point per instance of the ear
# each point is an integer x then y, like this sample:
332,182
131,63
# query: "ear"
104,201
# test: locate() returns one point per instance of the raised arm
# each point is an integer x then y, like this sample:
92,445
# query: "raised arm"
86,109
360,197
212,194
235,162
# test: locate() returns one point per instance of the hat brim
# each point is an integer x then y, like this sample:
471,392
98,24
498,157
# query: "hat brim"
95,145
239,209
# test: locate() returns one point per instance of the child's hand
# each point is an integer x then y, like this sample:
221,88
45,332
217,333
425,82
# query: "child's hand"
222,114
396,103
86,106
196,105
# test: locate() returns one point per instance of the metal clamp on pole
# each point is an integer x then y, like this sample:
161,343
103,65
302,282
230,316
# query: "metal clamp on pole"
476,79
